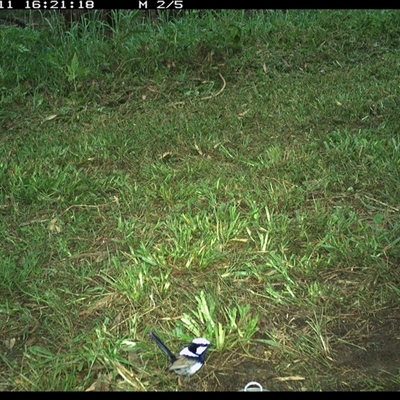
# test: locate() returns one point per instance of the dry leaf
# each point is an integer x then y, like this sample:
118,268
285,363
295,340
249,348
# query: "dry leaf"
265,68
9,343
91,388
53,226
50,117
198,149
290,378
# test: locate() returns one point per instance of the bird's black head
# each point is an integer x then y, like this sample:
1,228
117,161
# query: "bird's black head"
196,349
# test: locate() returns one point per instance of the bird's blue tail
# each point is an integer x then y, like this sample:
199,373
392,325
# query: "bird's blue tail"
162,346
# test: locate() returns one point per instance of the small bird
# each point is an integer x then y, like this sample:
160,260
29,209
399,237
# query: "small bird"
189,360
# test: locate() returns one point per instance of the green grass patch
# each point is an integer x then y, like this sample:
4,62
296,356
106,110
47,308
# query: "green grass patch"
226,174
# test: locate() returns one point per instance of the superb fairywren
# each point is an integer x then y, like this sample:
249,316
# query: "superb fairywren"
189,360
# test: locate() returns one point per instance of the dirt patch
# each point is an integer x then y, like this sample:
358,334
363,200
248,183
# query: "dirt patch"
374,352
366,357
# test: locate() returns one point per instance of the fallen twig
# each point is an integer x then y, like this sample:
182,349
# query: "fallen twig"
217,94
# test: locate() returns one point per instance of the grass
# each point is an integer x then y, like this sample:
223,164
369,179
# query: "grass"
231,174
